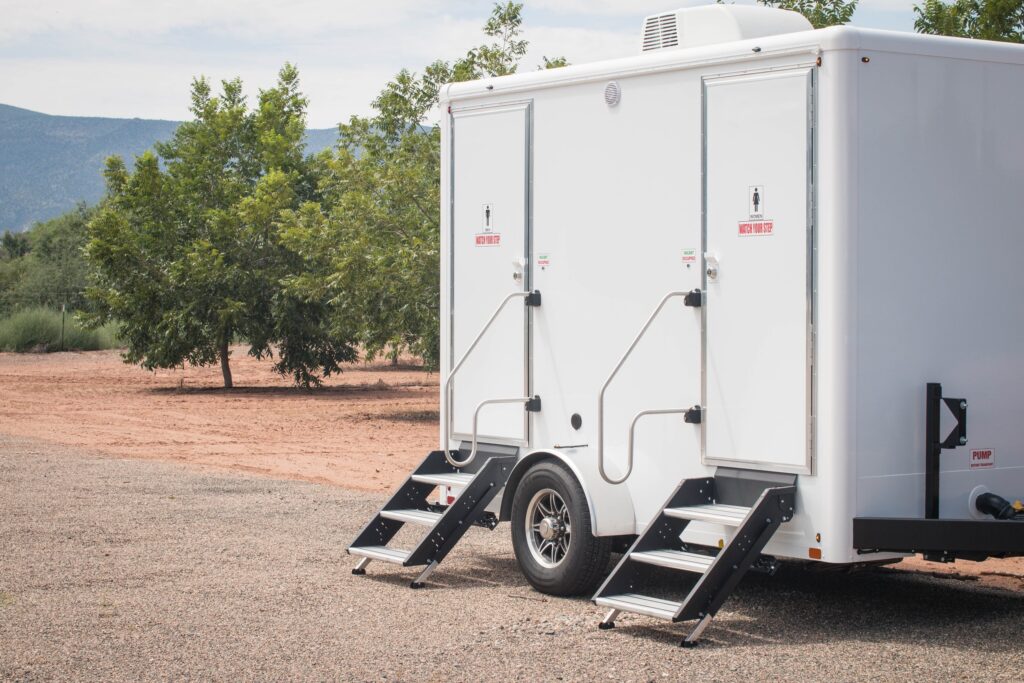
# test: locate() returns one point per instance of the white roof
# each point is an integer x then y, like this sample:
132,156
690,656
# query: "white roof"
814,42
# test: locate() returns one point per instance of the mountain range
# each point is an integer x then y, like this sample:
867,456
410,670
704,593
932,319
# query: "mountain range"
48,164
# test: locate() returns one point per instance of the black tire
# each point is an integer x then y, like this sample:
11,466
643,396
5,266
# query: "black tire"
585,560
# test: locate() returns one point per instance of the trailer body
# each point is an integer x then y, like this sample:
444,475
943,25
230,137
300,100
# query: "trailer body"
848,204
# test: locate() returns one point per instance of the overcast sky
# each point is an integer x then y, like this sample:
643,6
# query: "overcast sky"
136,58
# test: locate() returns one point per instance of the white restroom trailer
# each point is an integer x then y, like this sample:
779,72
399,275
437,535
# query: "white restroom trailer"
746,258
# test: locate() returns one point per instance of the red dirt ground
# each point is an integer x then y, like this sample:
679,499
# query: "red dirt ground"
365,430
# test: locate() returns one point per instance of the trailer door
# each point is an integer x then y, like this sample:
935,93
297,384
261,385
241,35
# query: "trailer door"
490,260
758,343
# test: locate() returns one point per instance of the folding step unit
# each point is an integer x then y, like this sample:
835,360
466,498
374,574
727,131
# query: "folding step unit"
480,482
754,503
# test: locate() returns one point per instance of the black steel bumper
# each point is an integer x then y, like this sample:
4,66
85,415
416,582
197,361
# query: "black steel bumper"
943,539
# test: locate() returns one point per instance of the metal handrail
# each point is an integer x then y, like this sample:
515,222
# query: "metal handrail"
632,431
476,415
604,387
448,385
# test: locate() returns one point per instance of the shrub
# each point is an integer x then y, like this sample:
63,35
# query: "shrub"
38,329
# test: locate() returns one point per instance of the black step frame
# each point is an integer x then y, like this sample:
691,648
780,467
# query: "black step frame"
775,503
775,506
491,469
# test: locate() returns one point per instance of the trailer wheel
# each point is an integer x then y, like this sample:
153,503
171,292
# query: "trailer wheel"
551,534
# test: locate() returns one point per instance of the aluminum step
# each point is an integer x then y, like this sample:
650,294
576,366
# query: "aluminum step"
641,604
675,559
381,552
729,515
422,517
444,479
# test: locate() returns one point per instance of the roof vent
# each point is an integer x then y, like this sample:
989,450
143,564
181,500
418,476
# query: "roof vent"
660,32
711,24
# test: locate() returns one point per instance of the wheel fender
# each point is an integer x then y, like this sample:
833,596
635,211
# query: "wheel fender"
611,507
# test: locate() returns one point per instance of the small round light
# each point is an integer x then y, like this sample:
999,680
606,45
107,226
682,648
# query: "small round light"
612,94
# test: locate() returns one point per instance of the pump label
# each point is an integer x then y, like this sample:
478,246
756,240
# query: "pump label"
982,457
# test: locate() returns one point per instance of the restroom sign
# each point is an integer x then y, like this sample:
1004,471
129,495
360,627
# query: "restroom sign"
755,198
487,217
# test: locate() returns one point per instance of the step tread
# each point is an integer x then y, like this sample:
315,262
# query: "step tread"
675,559
381,552
641,604
444,479
717,513
422,517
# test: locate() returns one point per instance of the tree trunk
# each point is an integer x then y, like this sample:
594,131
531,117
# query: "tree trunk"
224,367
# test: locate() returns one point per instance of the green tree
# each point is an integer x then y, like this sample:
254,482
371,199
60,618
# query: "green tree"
821,13
1001,20
45,265
372,244
187,251
14,245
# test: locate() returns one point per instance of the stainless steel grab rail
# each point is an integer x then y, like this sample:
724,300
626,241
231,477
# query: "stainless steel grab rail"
446,436
476,414
632,429
604,387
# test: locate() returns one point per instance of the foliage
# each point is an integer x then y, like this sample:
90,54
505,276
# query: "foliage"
39,329
821,13
45,266
986,19
187,252
14,245
372,242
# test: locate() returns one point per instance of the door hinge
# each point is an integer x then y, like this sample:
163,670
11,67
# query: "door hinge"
533,298
694,415
694,298
533,405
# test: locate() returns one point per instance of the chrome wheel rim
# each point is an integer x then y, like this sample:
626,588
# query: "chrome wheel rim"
548,528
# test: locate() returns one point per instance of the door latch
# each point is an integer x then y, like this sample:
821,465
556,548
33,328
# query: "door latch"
711,266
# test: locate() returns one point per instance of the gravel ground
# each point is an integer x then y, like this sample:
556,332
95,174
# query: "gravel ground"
135,570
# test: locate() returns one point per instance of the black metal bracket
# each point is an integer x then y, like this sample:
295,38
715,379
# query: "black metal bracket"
694,298
765,564
935,444
488,520
694,415
533,298
533,405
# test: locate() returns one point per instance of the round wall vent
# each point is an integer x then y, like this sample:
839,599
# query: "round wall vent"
612,94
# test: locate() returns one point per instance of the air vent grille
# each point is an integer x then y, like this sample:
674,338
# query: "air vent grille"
660,31
612,94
